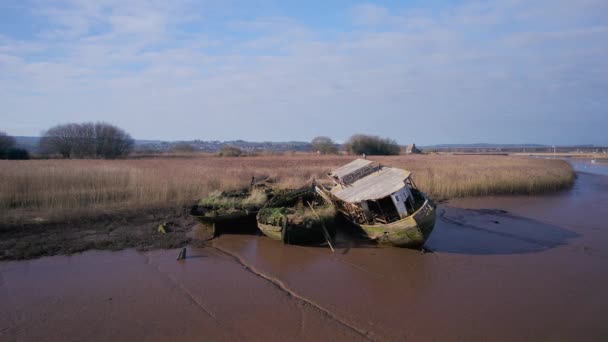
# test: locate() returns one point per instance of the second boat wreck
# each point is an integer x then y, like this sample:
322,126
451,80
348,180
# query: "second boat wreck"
383,201
298,217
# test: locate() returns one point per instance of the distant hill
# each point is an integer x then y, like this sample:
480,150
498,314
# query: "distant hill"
508,148
483,145
155,146
32,144
28,143
214,146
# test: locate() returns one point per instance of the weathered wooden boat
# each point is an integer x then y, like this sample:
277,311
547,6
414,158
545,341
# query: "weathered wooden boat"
230,207
383,202
298,217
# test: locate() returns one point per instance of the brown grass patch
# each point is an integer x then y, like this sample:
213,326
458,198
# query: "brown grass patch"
59,189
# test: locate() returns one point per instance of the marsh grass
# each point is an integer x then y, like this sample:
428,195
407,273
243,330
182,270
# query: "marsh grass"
45,190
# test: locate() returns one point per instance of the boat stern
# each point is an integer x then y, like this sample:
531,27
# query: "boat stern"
425,218
411,231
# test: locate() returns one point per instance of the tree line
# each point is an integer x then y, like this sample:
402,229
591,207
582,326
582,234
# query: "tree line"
358,144
103,140
75,140
87,140
8,149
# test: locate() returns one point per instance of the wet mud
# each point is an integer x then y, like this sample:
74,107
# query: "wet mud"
498,268
149,296
141,230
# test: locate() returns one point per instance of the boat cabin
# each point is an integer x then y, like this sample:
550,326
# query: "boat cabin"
371,193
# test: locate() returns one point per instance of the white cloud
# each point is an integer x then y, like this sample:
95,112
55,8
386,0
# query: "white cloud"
163,69
371,14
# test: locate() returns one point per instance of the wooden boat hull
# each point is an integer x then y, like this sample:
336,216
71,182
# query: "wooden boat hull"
411,231
292,226
210,217
209,223
295,234
273,232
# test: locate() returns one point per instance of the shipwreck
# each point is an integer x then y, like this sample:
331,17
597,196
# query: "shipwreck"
298,217
383,201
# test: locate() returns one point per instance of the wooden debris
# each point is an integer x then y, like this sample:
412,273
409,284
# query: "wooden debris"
325,231
182,254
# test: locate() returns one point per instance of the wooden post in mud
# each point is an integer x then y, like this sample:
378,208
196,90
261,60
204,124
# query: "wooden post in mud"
182,254
325,232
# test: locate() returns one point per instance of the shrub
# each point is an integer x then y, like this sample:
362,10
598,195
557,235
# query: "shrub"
230,151
6,142
17,154
324,145
372,145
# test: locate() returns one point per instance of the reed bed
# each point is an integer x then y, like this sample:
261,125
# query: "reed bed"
57,189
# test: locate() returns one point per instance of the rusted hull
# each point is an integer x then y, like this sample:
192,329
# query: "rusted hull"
411,231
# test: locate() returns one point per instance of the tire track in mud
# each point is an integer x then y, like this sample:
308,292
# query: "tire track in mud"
368,335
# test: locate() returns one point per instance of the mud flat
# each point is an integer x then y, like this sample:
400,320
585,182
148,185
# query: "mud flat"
135,296
502,268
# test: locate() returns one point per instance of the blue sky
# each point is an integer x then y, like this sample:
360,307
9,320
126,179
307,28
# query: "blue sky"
507,71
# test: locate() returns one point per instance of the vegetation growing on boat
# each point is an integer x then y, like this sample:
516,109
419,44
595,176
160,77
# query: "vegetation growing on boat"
301,215
241,200
273,216
297,217
230,205
294,205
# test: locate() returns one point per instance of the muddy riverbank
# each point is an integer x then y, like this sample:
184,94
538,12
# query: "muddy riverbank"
502,268
136,229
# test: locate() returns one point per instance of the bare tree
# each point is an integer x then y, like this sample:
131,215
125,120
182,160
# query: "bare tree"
85,146
87,140
324,145
111,141
59,139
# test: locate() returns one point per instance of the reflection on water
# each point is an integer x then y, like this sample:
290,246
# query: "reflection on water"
493,232
587,165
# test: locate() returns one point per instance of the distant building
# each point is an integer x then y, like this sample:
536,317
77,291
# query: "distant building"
411,149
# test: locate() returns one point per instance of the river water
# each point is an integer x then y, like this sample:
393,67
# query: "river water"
502,268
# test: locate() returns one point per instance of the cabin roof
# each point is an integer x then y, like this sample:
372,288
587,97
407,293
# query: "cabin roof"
349,168
374,186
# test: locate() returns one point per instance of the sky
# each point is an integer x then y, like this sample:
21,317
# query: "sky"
429,72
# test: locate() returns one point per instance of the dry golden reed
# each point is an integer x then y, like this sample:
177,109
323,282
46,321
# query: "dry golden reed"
60,188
